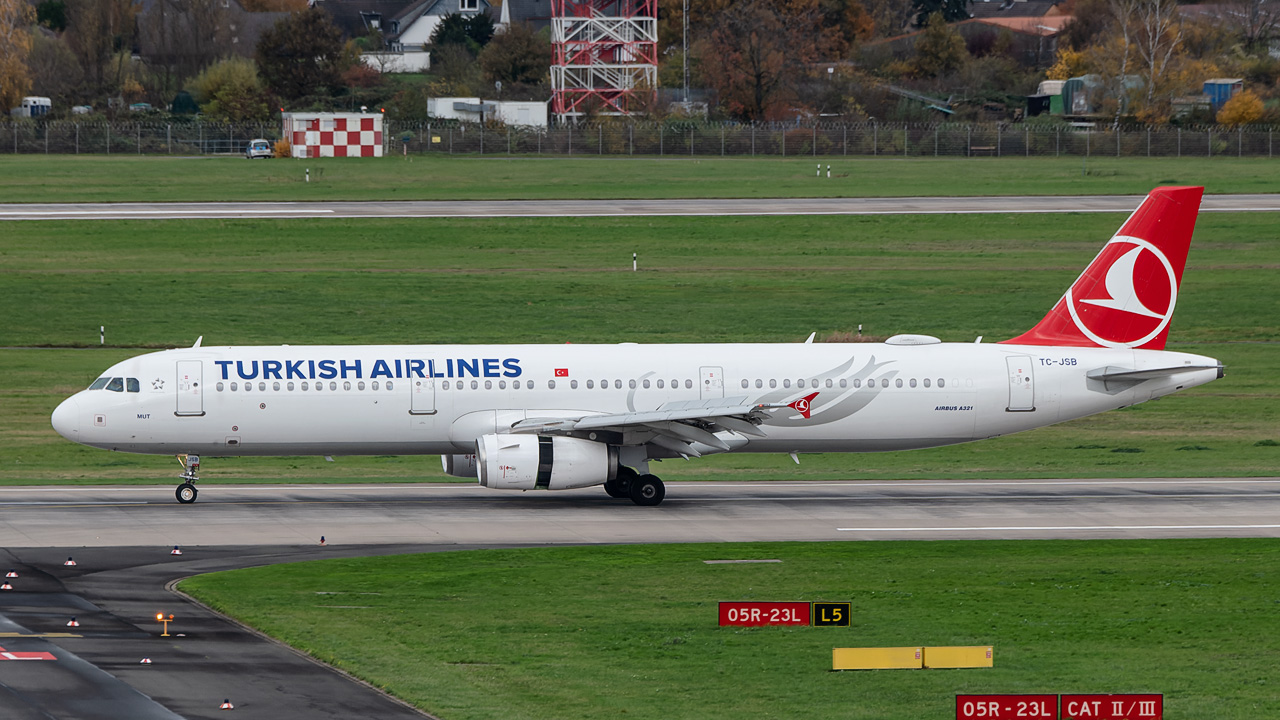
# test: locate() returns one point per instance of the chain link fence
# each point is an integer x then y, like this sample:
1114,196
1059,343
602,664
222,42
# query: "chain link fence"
668,139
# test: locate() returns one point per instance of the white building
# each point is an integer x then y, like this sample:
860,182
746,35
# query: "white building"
470,109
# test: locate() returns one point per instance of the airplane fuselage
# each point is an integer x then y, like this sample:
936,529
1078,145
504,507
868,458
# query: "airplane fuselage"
367,400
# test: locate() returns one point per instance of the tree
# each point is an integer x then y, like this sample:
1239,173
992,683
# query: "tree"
100,33
952,10
302,54
182,37
15,43
472,32
54,69
231,90
939,50
1067,63
1090,19
1245,108
518,56
758,51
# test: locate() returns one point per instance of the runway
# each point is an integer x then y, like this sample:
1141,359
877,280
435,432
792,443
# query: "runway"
467,514
617,208
121,539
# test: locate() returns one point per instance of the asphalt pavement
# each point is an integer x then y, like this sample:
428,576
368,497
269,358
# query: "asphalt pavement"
121,539
617,208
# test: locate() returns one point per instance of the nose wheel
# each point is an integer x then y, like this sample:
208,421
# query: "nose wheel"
186,492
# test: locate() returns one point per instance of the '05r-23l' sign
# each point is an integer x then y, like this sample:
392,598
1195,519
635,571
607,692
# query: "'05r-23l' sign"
759,614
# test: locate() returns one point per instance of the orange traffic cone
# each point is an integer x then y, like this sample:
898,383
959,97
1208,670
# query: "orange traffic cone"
73,623
175,551
145,661
226,705
69,562
6,586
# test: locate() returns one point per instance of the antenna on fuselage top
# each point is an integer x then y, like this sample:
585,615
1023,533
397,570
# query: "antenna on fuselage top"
198,341
812,335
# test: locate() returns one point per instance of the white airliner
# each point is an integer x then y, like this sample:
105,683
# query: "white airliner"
551,417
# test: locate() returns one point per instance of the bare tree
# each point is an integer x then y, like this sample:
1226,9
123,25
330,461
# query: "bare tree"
1159,38
182,37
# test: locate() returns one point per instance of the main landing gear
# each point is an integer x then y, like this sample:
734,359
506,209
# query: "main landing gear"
645,490
186,492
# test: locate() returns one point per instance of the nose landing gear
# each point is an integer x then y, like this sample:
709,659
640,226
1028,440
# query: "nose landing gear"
186,492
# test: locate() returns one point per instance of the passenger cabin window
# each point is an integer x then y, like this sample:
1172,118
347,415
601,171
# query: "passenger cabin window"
116,385
131,384
100,383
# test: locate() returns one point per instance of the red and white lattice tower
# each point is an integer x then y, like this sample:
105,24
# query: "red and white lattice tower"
605,56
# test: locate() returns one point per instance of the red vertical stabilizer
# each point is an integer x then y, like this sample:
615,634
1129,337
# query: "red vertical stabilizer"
1125,298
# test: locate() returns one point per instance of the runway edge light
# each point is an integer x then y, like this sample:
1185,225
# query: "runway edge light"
959,657
891,658
226,705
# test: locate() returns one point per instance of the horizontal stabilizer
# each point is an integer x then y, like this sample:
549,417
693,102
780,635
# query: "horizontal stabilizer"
1120,374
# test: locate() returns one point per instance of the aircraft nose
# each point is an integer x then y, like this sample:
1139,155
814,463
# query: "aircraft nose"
66,419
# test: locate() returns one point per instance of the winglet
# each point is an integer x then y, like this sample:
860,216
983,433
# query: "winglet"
1126,297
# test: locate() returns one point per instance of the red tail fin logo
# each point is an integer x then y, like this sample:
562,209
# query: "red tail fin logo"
1126,297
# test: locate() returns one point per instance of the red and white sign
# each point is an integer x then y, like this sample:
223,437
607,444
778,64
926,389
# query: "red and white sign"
318,135
984,707
759,614
562,372
7,655
1112,707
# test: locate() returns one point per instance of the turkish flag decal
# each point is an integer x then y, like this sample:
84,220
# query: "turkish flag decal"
562,372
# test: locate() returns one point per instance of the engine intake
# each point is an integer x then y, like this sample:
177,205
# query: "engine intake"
537,462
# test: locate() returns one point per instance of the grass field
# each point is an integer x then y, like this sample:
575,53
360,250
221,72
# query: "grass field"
162,283
632,631
64,178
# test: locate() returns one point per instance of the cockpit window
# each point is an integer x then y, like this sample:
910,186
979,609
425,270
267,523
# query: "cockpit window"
131,384
100,383
116,385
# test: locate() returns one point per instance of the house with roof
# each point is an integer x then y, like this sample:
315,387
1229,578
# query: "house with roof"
403,25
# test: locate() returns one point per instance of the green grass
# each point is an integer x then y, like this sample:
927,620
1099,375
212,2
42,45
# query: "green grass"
632,631
69,178
162,283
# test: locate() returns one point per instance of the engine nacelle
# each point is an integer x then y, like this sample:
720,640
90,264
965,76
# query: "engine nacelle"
535,462
460,465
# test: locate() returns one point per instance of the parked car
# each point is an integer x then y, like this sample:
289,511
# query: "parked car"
259,148
141,107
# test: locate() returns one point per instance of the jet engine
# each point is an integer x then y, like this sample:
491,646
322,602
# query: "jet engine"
536,462
459,465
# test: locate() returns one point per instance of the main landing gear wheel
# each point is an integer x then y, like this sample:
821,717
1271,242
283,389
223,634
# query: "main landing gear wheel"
620,487
186,493
647,490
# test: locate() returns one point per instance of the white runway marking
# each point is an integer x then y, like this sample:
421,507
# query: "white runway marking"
116,213
1041,528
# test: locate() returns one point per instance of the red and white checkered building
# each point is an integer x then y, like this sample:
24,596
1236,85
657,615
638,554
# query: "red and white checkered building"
315,135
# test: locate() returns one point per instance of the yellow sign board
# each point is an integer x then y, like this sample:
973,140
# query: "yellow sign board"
908,658
959,657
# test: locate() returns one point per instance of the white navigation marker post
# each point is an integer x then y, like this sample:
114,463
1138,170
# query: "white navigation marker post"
102,334
634,264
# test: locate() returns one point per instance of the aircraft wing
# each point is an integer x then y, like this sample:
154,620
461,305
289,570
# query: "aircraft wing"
681,427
